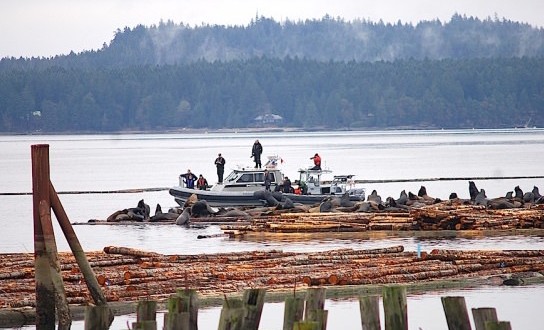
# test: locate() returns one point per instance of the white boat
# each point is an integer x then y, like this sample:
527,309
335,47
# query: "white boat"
242,186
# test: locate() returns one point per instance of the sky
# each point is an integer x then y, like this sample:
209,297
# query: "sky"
45,28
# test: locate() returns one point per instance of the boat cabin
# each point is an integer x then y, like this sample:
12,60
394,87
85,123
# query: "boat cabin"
311,182
248,180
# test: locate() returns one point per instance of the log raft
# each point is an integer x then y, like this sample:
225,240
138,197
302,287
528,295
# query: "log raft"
128,275
440,216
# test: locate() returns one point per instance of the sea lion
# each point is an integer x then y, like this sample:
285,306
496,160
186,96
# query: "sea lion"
190,201
326,206
203,209
536,192
518,193
481,198
184,217
267,197
374,197
403,198
529,197
160,216
472,190
345,200
391,204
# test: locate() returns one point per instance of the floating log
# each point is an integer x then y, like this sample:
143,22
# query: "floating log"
159,276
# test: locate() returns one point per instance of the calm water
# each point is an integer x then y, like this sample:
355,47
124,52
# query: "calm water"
97,163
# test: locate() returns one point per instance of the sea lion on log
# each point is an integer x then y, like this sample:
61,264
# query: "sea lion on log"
202,209
184,217
160,216
536,192
345,200
374,197
403,198
518,194
472,190
426,198
267,197
481,198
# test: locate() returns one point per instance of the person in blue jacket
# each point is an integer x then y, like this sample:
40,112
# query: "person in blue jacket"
189,179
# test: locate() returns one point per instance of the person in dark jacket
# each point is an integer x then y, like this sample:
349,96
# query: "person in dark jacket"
287,185
220,164
256,152
189,179
267,180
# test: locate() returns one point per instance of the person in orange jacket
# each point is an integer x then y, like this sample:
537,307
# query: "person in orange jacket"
317,162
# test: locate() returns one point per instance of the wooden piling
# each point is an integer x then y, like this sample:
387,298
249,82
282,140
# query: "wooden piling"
483,315
498,325
97,318
456,313
231,315
146,311
294,312
253,300
395,308
306,325
61,303
146,315
190,305
370,312
314,309
177,317
45,292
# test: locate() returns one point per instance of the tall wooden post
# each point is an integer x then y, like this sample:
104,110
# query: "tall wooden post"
395,308
370,312
455,309
45,292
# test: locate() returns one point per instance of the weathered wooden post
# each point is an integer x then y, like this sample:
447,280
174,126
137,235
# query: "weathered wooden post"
61,302
307,325
146,315
456,313
315,307
370,312
483,315
395,308
253,300
294,312
97,317
232,314
45,292
190,304
498,325
177,317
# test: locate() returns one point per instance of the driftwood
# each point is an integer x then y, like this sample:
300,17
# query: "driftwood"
129,275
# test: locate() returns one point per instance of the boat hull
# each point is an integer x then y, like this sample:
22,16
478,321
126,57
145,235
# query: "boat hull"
215,198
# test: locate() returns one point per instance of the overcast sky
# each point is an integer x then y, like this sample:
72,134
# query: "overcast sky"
53,27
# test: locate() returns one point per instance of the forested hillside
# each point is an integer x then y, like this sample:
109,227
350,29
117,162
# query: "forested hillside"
314,74
327,39
443,94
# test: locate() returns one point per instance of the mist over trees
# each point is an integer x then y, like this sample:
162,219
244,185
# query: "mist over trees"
325,73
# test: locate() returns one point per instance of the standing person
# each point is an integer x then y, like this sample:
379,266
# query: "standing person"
220,164
189,179
287,185
317,162
202,183
256,152
267,180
